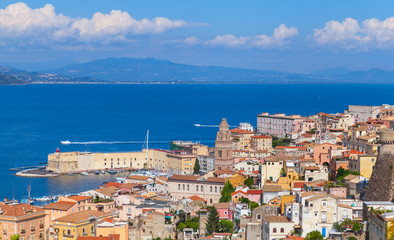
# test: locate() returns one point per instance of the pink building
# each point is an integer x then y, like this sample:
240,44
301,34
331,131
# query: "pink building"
322,153
254,195
279,124
224,211
337,191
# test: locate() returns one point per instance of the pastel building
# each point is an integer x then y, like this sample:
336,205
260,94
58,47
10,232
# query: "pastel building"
279,124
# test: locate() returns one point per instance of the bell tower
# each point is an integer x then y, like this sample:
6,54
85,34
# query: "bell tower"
223,147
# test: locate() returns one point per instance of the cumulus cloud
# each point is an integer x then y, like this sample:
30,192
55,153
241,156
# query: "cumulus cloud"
20,22
350,34
279,38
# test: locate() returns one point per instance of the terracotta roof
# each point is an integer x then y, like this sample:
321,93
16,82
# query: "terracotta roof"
239,191
294,238
312,168
136,177
19,210
109,237
276,219
261,136
79,198
298,184
307,135
224,171
82,216
107,191
183,178
113,184
272,188
254,192
242,131
62,205
224,205
216,179
222,234
163,178
195,198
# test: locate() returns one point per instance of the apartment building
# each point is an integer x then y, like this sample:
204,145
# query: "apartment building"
279,124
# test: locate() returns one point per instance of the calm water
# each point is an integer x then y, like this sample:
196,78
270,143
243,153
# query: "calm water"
35,118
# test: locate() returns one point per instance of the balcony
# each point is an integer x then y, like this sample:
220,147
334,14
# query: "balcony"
23,231
33,229
68,235
324,220
41,225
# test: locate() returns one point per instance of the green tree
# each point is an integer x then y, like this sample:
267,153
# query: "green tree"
15,237
314,235
226,226
253,205
357,227
226,192
196,167
249,182
182,216
212,224
181,226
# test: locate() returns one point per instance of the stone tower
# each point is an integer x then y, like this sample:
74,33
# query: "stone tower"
381,184
223,147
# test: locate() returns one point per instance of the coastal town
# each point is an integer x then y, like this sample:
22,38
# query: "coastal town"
325,176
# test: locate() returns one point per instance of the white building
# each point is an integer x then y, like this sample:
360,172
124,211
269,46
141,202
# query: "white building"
276,227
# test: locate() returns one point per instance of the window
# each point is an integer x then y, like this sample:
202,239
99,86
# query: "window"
187,187
196,187
274,230
282,230
202,188
258,216
216,189
183,187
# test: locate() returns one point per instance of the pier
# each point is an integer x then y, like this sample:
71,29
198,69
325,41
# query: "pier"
18,169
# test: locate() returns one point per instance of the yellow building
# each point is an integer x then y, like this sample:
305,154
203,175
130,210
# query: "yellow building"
363,164
77,224
108,227
236,180
181,162
63,162
285,199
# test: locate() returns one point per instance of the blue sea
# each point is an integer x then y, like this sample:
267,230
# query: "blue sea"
35,118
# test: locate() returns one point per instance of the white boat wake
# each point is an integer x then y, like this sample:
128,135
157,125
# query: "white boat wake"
120,142
110,142
201,125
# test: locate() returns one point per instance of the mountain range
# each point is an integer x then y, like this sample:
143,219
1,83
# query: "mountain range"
150,70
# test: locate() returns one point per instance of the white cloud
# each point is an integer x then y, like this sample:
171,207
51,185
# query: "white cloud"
191,40
279,38
349,34
20,22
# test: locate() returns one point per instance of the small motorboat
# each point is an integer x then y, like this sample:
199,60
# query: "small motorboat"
97,172
84,173
70,174
112,171
102,172
65,142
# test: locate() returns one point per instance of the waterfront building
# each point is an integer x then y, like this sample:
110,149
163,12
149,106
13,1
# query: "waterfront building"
279,124
181,162
363,113
223,147
78,224
207,163
29,222
194,148
180,186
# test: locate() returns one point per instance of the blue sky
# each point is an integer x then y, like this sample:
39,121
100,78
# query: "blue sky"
285,35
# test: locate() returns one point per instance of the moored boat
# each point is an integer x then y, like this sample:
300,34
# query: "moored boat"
97,172
70,174
112,171
84,173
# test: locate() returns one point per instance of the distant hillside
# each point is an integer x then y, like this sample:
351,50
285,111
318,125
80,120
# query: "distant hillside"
154,70
9,80
39,77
